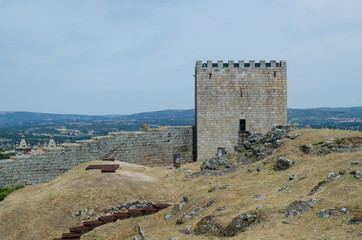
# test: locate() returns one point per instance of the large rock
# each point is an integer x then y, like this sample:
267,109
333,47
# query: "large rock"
282,164
241,223
215,163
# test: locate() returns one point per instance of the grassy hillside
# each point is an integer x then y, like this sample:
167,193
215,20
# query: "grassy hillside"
45,211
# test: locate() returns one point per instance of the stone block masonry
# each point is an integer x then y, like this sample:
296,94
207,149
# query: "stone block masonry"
234,98
152,148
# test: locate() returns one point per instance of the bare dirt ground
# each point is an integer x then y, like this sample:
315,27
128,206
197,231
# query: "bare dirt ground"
45,211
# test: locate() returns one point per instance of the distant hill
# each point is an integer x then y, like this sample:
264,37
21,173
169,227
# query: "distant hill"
26,117
72,127
341,117
333,118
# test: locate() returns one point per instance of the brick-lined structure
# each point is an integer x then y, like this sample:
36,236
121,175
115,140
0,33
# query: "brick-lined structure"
236,99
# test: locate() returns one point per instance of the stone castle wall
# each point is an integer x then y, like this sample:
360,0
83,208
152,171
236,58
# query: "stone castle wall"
228,92
152,147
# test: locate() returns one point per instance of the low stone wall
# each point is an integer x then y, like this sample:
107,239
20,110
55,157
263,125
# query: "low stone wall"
152,147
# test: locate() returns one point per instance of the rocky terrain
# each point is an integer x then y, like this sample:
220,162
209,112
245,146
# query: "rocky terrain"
287,184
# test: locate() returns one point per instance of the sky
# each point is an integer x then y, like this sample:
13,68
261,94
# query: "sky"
129,56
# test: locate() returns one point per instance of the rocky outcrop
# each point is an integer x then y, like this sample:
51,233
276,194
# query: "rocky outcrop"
196,211
298,207
215,188
318,187
357,174
241,223
259,146
350,144
208,226
332,212
215,166
215,163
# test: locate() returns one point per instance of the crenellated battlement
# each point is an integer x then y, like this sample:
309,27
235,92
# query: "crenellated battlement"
241,64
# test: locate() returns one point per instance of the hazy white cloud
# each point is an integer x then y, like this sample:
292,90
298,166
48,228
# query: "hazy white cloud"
113,56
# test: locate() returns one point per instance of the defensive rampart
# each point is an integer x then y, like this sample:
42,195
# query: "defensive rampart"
153,147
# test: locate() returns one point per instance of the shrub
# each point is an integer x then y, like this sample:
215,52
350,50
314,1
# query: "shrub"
338,141
4,156
4,192
319,142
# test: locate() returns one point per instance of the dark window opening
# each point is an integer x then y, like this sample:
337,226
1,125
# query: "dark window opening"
210,74
220,151
242,125
177,160
275,74
241,93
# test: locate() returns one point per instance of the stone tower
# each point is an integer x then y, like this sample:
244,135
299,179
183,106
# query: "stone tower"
51,144
234,100
23,148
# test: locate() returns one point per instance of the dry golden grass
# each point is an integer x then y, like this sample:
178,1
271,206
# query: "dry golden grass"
44,211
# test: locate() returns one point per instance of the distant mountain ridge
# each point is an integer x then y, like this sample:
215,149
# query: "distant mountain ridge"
25,117
72,127
307,116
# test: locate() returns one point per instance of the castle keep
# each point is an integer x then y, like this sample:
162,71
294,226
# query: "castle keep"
234,100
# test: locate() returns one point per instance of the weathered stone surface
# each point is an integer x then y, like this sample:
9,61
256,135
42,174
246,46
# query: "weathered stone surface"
178,207
291,177
257,138
260,146
188,229
215,163
332,176
301,179
241,223
196,210
215,166
215,188
282,164
355,220
258,196
357,174
154,147
350,144
355,163
282,189
319,186
307,148
298,207
332,212
208,226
